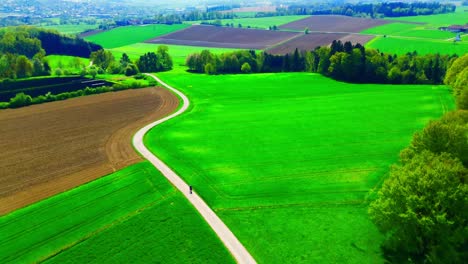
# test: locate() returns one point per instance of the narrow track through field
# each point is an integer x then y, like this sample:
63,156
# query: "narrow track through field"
227,237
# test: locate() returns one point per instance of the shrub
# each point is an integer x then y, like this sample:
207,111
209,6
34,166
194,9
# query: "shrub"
20,100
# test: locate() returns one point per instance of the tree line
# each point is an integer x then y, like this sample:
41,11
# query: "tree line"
373,10
148,62
422,207
340,61
23,50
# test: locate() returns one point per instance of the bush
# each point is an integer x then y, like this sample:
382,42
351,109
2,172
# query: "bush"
20,100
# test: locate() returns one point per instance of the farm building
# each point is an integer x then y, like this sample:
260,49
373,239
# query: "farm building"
455,28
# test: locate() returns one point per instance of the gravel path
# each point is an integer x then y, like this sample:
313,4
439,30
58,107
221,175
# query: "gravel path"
227,237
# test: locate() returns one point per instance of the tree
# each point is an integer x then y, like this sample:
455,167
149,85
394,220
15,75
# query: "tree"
246,68
24,67
93,71
102,58
422,208
457,67
124,60
306,30
131,69
210,69
58,72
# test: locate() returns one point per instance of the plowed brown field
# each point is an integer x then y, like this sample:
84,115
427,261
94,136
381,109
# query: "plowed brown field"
335,24
53,147
224,37
312,40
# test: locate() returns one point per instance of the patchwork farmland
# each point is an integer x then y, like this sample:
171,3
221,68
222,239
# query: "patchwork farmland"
335,24
56,146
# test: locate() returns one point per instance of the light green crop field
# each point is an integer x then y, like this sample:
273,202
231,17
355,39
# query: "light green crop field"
122,36
177,52
459,17
66,62
403,45
131,214
261,22
71,29
288,159
409,30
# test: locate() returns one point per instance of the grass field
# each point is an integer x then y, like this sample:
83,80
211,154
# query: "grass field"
403,45
67,62
128,35
262,22
409,30
287,160
177,52
131,214
71,29
459,17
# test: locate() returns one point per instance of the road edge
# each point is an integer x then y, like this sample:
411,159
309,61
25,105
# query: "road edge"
226,236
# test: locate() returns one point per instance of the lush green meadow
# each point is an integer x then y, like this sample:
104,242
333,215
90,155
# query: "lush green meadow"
177,52
131,214
122,36
409,30
261,22
288,160
459,17
67,62
71,29
403,45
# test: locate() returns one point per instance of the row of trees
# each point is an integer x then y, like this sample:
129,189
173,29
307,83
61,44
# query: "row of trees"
386,9
346,62
422,208
14,66
148,62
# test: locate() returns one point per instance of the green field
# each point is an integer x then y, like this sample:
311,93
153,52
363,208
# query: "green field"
403,45
177,52
66,62
409,30
459,17
71,29
261,22
131,214
128,35
287,160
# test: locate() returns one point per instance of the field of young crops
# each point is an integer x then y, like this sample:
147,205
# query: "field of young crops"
288,160
403,45
128,35
131,214
409,30
459,17
71,29
177,52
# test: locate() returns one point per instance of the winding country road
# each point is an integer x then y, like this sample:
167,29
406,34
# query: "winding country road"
227,237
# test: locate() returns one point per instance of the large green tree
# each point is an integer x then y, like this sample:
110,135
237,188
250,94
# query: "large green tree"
422,209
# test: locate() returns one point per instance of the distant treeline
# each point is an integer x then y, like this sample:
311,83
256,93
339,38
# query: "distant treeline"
148,62
344,62
387,9
23,50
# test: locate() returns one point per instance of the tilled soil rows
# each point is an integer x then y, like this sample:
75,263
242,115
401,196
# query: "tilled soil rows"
224,37
53,147
337,24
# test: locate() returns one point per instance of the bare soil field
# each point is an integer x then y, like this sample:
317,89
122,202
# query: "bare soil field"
53,147
224,37
336,24
313,40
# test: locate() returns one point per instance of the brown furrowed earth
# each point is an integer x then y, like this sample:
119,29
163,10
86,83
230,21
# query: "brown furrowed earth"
225,37
53,147
335,24
313,40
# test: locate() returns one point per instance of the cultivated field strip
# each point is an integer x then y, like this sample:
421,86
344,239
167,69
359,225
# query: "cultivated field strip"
224,37
45,228
54,147
332,23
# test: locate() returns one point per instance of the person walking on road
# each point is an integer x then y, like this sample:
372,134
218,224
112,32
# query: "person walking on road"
190,187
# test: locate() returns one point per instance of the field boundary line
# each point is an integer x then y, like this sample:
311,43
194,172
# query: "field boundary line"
224,233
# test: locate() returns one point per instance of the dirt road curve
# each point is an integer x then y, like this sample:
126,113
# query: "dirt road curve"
227,237
54,147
